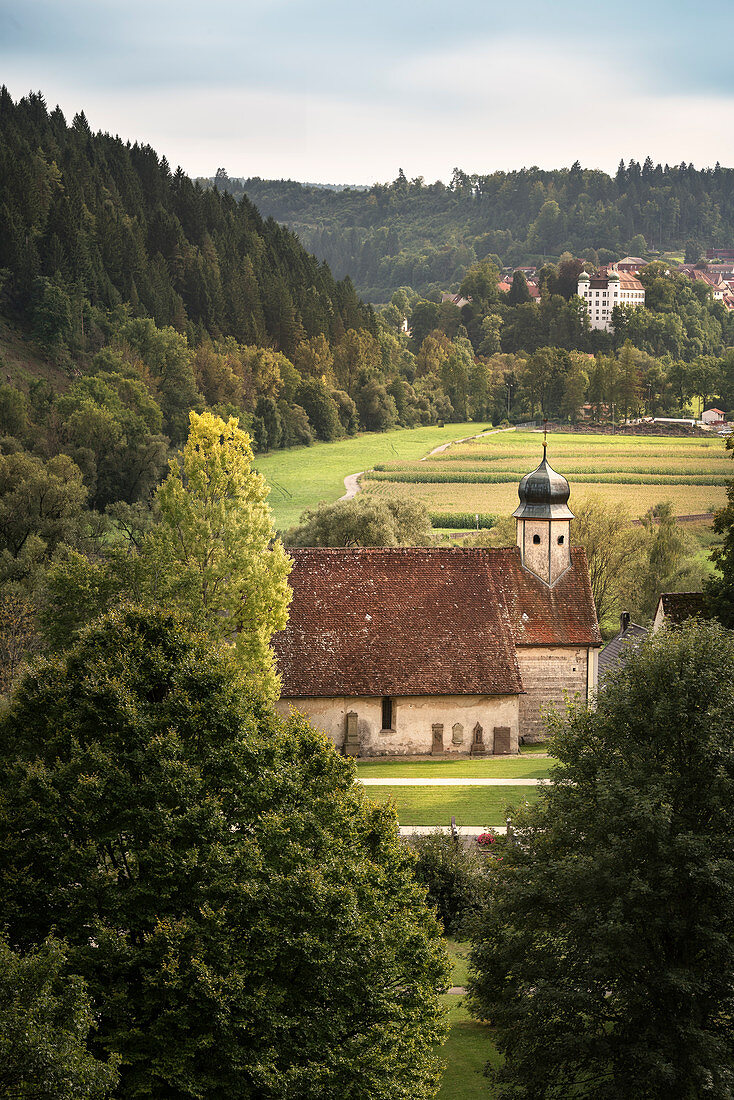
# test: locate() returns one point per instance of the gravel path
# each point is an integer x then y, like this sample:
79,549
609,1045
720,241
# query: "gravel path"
351,484
351,481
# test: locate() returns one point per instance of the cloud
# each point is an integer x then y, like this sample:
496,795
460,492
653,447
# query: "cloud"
338,92
316,137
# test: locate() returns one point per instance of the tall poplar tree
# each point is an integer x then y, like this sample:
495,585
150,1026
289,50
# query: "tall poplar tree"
214,549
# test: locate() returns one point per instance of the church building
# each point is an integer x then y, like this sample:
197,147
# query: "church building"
443,650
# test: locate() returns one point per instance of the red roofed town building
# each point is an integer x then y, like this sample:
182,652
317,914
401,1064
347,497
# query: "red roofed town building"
630,264
395,651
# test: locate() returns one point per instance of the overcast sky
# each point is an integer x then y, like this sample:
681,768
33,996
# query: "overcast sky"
349,92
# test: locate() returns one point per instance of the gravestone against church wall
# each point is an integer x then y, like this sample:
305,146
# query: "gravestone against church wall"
478,747
457,733
437,744
502,743
351,736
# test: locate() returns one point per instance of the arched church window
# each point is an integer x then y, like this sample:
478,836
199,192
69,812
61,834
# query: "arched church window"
536,539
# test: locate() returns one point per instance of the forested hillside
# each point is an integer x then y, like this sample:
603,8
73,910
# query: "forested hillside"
88,222
409,233
131,297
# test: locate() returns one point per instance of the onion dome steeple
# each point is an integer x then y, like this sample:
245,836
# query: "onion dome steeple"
543,494
544,522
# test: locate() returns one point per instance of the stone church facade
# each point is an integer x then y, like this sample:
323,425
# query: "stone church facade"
403,651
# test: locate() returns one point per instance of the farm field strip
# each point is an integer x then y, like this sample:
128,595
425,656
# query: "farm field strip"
694,464
449,458
501,499
479,477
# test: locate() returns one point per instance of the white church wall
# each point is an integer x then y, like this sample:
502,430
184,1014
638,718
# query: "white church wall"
413,721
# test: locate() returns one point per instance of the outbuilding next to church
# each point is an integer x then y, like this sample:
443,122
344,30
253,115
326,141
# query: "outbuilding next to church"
402,651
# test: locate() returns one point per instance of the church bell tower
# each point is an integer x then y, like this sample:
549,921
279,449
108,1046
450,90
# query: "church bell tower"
544,522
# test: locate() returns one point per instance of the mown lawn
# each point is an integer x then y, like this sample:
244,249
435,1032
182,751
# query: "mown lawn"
469,1046
472,806
465,1053
516,767
301,477
534,749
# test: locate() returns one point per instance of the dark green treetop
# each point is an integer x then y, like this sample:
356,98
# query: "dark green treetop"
606,954
246,919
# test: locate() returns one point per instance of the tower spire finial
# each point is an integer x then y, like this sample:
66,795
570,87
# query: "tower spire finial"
545,436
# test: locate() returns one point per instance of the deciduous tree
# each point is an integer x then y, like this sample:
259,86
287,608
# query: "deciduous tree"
364,521
606,957
45,1022
214,546
247,921
613,550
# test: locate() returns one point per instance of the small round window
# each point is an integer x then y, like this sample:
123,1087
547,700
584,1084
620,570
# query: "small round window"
536,539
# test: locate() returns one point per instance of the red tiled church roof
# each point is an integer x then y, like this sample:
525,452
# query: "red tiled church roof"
423,621
539,615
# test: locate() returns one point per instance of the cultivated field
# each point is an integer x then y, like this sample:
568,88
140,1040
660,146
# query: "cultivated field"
636,471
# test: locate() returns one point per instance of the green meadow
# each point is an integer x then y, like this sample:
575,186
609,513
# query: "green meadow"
465,1053
301,477
470,1045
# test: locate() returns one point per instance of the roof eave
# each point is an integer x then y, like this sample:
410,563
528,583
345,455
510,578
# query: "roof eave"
543,511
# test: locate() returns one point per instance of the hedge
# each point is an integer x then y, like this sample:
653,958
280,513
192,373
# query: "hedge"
463,521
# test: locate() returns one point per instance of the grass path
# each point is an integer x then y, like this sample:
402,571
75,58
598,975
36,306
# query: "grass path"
301,477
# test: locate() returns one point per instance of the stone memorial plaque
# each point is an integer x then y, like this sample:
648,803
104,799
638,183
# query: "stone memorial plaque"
478,748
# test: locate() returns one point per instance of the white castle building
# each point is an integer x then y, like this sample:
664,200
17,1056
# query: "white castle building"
603,292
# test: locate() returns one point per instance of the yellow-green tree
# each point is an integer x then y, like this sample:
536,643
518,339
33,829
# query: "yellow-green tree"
217,559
